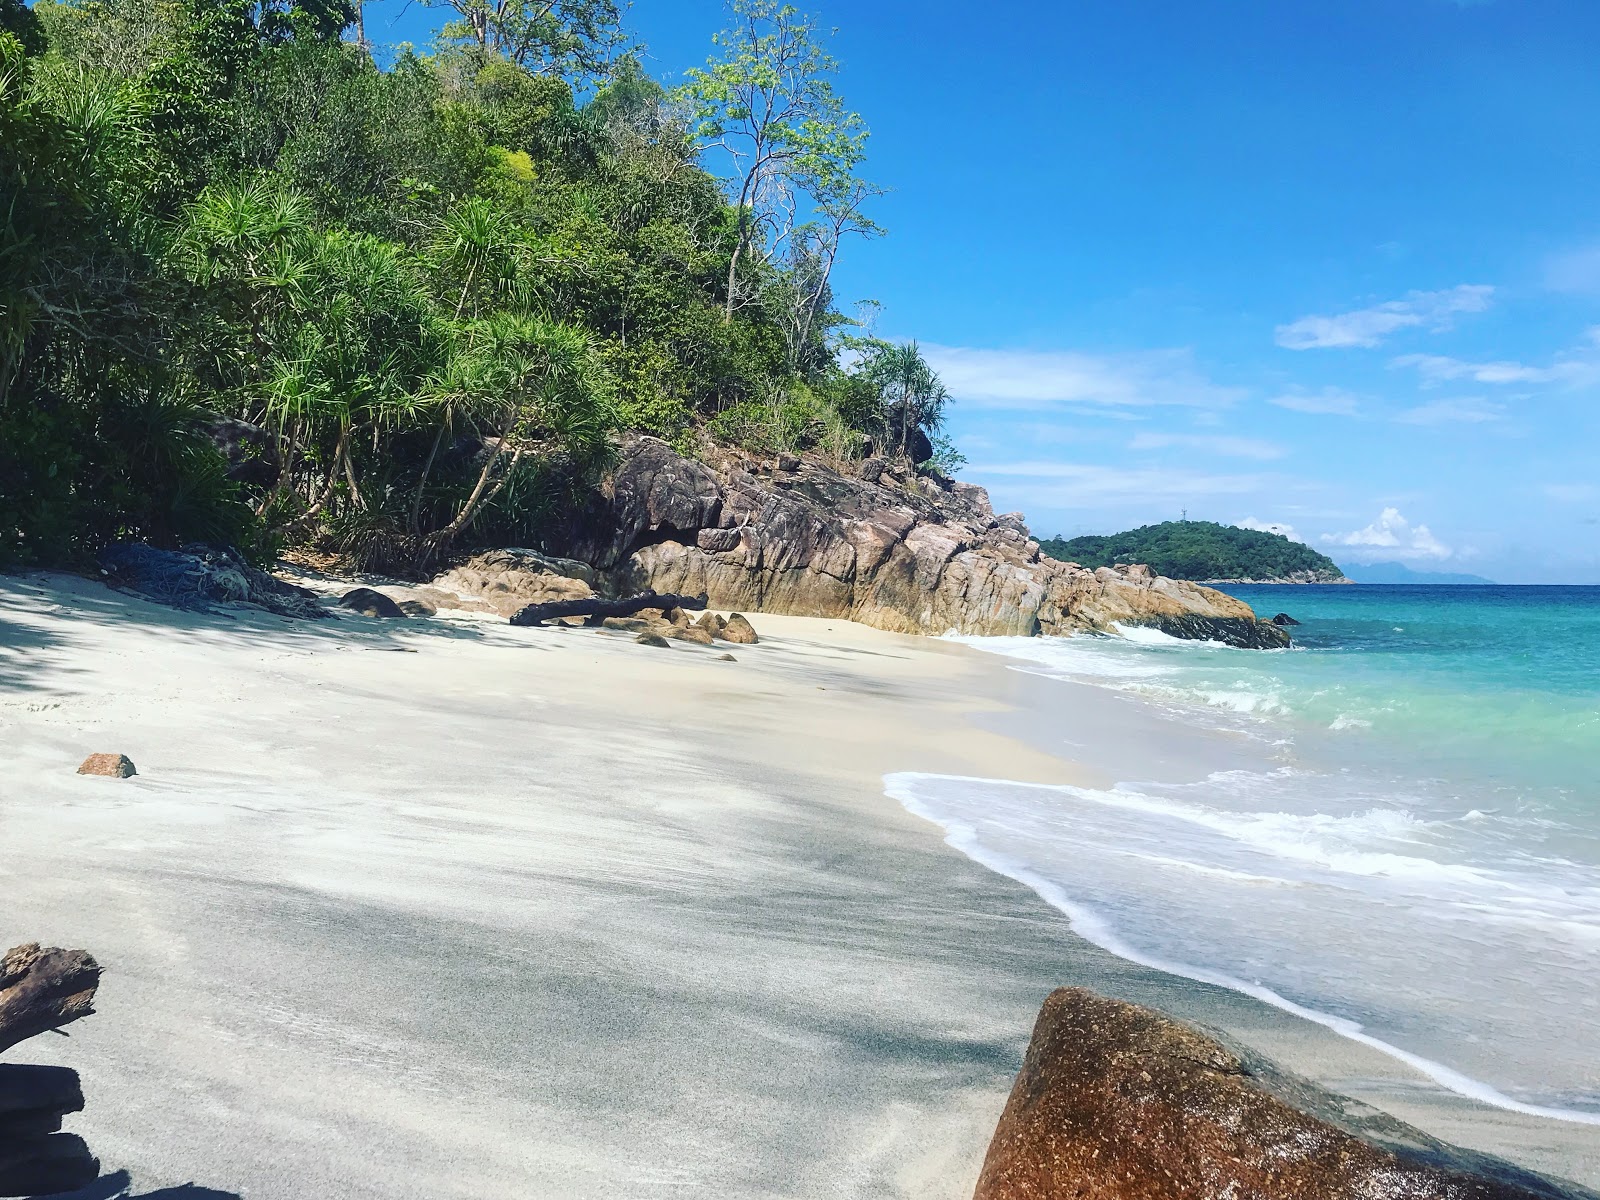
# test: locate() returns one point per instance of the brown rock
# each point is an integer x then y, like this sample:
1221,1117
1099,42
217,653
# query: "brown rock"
711,623
692,633
507,581
928,558
653,639
726,658
739,631
1117,1102
115,766
418,608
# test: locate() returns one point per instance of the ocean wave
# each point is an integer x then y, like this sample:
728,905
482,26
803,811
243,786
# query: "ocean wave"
1403,899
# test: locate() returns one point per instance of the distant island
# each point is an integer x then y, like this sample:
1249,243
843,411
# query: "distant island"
1202,551
1393,572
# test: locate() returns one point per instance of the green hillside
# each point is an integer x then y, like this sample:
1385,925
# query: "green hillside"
1200,550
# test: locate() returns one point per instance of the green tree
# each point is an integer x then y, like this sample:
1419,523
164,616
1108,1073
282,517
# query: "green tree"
546,36
768,104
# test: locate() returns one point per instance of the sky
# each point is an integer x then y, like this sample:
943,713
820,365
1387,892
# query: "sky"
1329,266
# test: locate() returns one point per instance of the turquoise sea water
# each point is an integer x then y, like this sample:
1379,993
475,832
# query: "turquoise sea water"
1404,842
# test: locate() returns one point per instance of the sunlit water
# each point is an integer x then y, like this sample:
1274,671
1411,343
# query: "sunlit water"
1413,857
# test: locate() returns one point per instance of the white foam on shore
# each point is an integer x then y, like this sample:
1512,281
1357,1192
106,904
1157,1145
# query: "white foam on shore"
1319,847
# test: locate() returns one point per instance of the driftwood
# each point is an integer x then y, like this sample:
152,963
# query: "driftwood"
596,610
40,990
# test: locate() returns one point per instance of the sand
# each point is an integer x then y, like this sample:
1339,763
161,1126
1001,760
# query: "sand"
447,909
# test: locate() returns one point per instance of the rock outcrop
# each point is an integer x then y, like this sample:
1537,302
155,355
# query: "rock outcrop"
1117,1102
901,552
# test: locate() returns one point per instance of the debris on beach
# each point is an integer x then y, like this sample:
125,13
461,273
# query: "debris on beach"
198,577
41,990
113,766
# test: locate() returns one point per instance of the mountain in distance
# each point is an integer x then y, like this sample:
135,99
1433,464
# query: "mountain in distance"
1393,572
1202,551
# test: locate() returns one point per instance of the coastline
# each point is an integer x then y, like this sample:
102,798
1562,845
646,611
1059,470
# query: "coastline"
547,912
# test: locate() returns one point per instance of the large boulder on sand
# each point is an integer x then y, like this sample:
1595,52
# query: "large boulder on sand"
737,629
370,603
1117,1102
507,581
113,766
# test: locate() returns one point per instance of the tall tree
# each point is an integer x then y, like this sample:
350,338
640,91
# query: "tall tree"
547,36
769,104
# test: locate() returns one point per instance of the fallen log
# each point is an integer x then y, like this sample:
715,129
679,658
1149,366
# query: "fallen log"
40,990
595,609
44,989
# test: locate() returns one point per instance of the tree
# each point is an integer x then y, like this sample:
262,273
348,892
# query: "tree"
913,397
769,105
546,36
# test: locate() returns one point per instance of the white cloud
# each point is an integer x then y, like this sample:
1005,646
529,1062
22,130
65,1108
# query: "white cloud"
1066,379
1390,536
1330,401
1436,369
1471,411
1209,443
1367,327
1055,485
1572,493
1277,527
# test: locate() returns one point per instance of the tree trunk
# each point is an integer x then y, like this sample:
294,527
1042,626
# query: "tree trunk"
41,990
597,610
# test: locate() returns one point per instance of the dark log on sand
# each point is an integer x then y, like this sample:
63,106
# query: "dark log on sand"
44,989
40,990
595,609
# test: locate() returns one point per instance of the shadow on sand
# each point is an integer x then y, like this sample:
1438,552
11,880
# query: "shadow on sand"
119,1186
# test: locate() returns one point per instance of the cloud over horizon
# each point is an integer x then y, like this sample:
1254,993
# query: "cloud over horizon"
1390,536
1368,327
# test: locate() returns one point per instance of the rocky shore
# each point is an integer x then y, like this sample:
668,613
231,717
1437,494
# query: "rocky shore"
887,548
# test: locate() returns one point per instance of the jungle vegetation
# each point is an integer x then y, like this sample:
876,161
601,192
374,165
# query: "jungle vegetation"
417,297
1200,550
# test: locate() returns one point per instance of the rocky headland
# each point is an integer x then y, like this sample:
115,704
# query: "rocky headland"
885,547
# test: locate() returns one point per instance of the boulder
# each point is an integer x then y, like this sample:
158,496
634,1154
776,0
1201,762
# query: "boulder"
726,658
653,639
370,603
418,608
711,623
113,766
911,555
1118,1102
739,631
1283,619
692,633
507,581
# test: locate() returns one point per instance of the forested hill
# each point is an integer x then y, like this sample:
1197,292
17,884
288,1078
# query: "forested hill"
263,283
1201,550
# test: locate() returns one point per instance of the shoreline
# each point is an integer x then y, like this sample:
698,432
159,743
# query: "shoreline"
548,835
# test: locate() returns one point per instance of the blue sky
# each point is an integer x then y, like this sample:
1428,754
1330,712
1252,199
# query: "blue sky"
1330,264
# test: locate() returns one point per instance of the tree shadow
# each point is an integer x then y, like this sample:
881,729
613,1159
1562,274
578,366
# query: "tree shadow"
119,1186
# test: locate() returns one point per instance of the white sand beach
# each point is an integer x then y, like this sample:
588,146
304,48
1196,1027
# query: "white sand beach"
445,908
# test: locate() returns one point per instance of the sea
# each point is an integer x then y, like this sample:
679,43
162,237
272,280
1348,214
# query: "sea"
1398,835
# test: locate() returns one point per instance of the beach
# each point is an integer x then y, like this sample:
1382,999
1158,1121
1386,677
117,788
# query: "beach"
445,908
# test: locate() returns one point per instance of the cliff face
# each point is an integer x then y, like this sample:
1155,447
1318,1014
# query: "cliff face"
900,553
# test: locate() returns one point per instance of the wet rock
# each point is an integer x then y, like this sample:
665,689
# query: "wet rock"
1118,1102
1283,619
739,631
369,603
113,766
726,658
653,639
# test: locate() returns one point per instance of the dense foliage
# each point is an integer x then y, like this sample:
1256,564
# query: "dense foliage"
415,305
1199,550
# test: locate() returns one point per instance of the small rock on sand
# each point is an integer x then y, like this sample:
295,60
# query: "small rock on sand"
739,631
418,608
692,633
653,639
726,658
114,766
